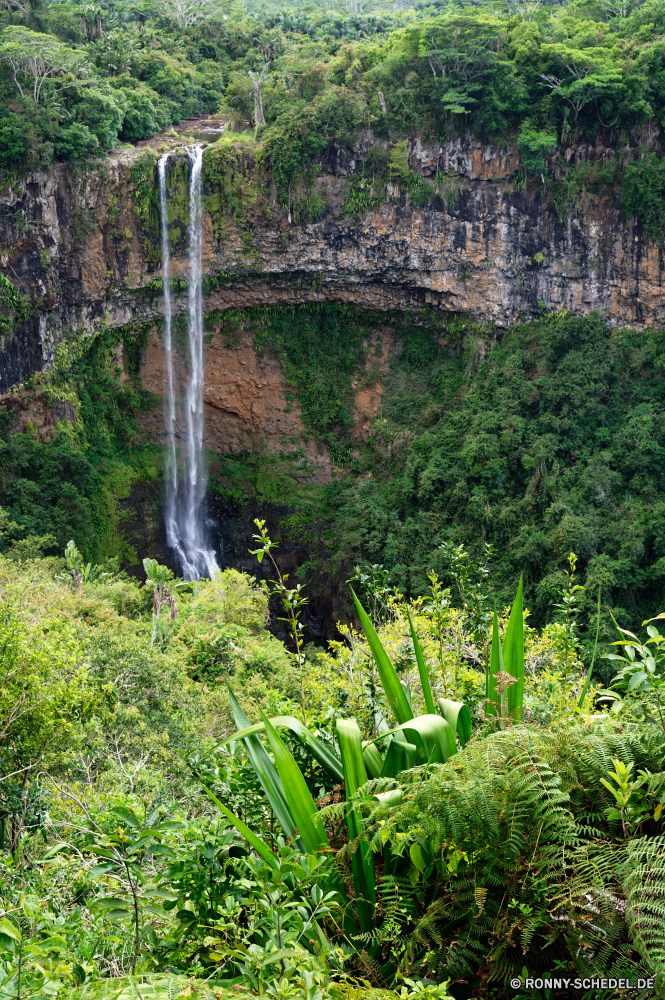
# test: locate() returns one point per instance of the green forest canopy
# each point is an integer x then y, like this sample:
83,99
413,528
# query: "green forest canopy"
121,72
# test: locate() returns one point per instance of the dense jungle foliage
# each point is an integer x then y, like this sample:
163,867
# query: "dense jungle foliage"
78,79
465,789
147,849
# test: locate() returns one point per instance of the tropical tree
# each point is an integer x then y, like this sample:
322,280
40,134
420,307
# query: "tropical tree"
589,73
81,572
35,58
187,13
157,578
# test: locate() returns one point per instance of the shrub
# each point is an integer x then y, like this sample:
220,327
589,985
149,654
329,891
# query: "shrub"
12,140
295,140
140,118
643,192
75,142
103,113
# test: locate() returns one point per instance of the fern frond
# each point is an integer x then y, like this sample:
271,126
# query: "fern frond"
644,885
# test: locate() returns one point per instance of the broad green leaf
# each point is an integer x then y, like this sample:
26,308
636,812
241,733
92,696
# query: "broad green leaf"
164,850
127,816
513,656
580,702
492,706
458,717
139,844
400,756
373,759
103,869
298,796
8,929
362,861
434,735
265,771
422,670
391,682
108,903
416,855
261,849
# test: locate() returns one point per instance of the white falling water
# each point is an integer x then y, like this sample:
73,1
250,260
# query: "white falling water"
185,528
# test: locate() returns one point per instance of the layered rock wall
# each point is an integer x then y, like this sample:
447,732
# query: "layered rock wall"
82,244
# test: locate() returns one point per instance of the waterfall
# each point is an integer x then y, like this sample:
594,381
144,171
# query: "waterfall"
185,528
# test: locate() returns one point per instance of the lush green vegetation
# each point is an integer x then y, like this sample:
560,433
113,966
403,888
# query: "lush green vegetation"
540,440
305,81
141,836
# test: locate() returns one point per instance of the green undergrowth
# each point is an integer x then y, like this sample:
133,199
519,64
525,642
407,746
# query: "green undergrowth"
543,439
70,481
269,478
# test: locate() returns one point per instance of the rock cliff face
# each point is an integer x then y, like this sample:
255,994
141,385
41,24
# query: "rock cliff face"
82,244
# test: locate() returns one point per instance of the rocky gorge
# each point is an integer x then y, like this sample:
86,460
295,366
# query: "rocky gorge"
82,244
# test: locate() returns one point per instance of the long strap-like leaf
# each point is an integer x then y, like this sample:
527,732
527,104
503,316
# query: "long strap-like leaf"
298,796
323,754
434,735
580,702
391,682
422,670
373,759
265,771
458,717
513,655
400,756
362,861
261,849
495,667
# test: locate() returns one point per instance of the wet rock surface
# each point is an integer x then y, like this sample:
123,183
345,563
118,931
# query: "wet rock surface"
83,246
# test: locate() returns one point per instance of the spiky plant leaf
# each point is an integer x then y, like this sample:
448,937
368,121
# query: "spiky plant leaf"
323,754
389,679
513,655
492,706
373,759
433,735
400,756
298,796
422,670
261,849
265,770
458,717
362,862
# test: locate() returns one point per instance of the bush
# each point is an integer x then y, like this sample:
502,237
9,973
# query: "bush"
103,113
12,141
75,142
140,117
296,139
643,192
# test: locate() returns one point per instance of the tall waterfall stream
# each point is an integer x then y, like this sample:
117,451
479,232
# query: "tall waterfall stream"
186,480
